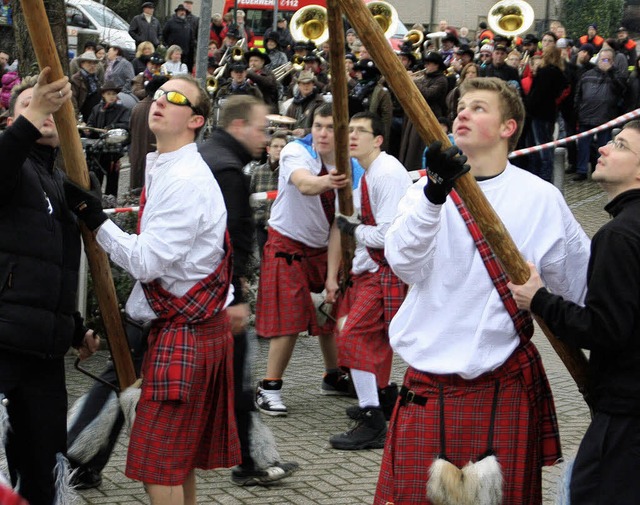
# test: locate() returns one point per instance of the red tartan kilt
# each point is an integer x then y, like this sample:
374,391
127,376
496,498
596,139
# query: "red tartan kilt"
413,440
363,342
284,305
171,438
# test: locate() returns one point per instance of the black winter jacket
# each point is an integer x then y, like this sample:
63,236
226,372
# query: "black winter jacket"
179,31
598,96
609,323
227,157
39,249
141,30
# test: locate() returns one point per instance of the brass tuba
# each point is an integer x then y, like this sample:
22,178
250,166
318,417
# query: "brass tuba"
511,17
310,23
415,38
386,16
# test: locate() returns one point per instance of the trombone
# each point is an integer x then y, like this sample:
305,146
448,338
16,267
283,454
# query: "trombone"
295,65
234,53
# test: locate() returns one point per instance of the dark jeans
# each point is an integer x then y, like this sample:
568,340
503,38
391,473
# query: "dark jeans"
98,396
541,163
244,396
261,237
606,466
109,167
584,147
35,389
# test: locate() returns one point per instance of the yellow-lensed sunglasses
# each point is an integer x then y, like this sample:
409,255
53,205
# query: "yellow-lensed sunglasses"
174,97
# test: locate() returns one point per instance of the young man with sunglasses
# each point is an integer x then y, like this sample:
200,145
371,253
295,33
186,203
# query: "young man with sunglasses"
475,390
181,261
375,293
609,326
294,263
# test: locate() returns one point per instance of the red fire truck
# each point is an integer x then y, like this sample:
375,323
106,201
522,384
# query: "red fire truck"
259,15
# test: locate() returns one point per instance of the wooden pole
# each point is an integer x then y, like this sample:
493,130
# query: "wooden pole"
340,124
76,168
423,119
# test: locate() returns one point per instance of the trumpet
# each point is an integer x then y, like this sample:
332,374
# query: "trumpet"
296,65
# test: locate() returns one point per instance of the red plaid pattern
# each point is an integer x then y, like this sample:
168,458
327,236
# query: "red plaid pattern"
394,290
521,318
363,342
171,438
284,305
328,199
170,360
525,431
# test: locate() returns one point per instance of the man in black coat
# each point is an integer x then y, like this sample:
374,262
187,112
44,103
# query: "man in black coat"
178,30
39,259
499,68
240,139
145,26
608,324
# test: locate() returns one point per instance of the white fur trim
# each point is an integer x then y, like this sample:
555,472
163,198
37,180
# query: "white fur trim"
65,494
96,434
477,483
129,401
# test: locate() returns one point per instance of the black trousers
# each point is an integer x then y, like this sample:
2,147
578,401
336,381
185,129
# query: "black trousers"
35,389
98,396
606,468
244,396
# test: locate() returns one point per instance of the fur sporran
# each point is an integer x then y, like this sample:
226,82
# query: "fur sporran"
478,483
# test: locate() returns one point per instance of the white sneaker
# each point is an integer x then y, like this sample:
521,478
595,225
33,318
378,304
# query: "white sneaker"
270,402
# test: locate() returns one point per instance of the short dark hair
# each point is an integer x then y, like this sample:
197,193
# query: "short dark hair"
118,49
551,34
376,121
279,135
238,107
325,110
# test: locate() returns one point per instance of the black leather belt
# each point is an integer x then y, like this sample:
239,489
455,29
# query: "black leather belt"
289,257
409,396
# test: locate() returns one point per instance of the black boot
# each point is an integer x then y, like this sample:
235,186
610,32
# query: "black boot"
387,396
369,432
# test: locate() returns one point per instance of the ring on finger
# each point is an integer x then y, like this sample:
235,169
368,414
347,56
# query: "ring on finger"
61,94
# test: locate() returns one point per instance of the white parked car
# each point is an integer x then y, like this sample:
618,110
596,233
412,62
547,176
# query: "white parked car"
86,17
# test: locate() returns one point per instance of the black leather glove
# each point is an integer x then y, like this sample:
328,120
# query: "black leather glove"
346,226
443,168
86,204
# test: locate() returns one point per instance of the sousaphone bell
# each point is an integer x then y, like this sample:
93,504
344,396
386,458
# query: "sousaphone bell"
511,17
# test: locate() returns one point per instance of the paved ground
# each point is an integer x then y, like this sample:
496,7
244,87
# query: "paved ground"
335,477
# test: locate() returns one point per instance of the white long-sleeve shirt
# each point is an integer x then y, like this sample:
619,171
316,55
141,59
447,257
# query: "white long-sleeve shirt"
181,238
453,320
293,214
387,182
